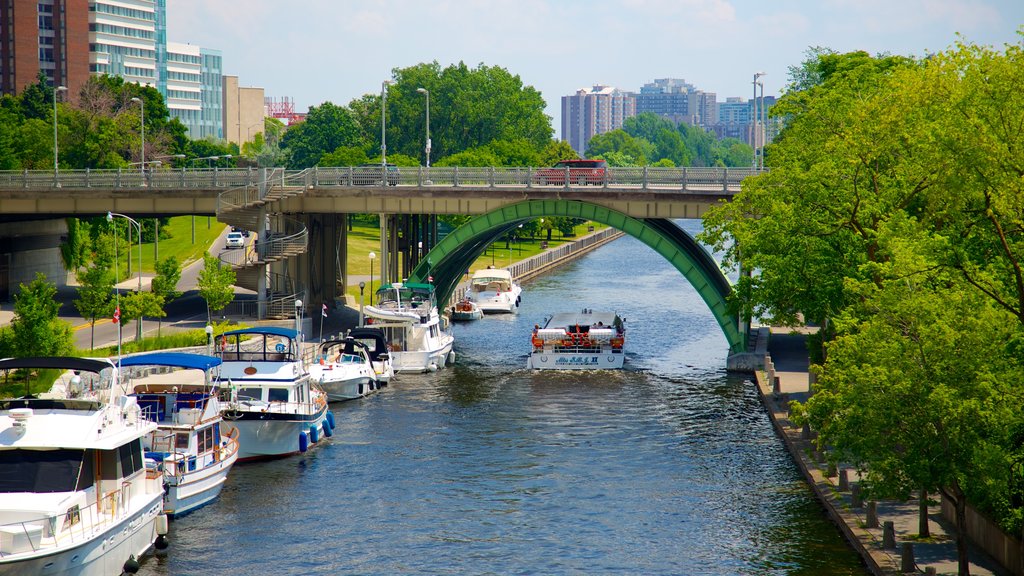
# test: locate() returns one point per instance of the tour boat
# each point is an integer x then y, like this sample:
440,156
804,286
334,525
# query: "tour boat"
188,445
465,310
270,401
407,313
343,370
377,347
494,291
586,340
76,496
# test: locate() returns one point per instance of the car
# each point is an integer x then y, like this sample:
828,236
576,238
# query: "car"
235,240
243,231
580,172
370,175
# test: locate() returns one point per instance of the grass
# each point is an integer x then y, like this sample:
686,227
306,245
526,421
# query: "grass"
179,243
365,238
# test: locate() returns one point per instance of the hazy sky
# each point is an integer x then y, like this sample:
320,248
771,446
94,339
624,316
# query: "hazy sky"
338,50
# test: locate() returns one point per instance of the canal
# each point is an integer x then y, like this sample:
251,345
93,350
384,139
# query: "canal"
669,467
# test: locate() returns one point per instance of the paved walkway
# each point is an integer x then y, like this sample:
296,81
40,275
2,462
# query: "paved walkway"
788,351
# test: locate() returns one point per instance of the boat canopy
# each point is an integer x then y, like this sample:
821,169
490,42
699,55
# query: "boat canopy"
58,362
491,275
368,336
585,320
268,330
173,359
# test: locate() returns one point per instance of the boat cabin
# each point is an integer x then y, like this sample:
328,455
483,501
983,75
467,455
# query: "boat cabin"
491,280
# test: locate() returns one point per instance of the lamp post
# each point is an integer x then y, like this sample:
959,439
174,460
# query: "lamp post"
372,256
209,340
755,136
383,125
142,131
764,125
426,92
138,228
55,91
361,286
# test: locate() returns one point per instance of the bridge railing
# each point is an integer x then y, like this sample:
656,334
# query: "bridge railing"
362,176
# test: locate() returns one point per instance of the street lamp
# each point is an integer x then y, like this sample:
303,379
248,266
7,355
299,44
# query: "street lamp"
142,126
383,124
209,340
372,256
426,92
55,91
138,228
755,137
213,159
361,286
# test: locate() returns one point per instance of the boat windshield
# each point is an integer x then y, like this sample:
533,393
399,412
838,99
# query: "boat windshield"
64,470
413,295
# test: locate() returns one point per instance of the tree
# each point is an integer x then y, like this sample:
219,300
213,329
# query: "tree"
74,249
95,299
620,141
138,305
326,128
37,329
345,156
556,151
165,283
215,285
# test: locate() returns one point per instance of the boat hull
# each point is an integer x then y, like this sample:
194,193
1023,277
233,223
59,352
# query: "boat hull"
197,489
349,388
575,360
102,554
267,435
422,360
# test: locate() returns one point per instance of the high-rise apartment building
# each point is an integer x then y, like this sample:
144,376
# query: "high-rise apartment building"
184,87
679,101
593,111
51,36
211,122
122,40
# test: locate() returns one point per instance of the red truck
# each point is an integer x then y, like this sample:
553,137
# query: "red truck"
580,172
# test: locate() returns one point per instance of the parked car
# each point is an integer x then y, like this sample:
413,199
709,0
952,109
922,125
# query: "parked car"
235,240
581,172
370,175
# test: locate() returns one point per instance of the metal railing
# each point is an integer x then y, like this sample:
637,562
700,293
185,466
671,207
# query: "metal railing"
246,181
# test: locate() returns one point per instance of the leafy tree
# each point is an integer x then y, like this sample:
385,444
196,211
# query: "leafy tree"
95,296
165,283
620,141
473,157
215,285
74,249
138,305
556,151
345,156
37,329
325,128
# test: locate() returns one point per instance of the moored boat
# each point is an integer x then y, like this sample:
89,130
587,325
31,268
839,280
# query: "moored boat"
343,370
75,494
189,446
465,310
407,313
268,396
586,340
494,291
377,347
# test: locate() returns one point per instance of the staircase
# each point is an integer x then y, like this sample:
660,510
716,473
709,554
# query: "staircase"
279,238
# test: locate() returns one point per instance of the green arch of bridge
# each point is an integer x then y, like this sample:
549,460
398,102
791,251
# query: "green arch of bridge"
447,261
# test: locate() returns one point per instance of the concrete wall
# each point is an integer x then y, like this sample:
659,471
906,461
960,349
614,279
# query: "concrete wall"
987,535
27,248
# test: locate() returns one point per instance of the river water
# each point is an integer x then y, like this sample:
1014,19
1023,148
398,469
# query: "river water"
668,467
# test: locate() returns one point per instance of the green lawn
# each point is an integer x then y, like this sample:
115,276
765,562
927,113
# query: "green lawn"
179,243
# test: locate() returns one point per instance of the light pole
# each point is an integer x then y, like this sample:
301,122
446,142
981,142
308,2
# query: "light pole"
138,228
55,91
383,125
372,256
426,92
142,131
361,286
753,120
764,125
209,340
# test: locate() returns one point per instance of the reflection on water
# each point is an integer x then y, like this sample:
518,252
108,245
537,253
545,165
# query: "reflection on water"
668,467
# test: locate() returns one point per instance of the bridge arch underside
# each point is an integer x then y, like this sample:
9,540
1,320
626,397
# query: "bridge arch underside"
449,260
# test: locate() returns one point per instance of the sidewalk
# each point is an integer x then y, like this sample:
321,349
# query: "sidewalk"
788,351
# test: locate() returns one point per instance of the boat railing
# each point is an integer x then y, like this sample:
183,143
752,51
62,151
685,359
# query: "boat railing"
78,524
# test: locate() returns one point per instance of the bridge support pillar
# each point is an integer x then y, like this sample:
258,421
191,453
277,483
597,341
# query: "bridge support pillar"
318,268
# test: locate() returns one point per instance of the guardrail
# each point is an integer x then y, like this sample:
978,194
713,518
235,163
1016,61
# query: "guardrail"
247,179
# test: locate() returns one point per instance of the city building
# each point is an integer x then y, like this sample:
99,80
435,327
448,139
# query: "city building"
244,111
123,40
679,101
593,111
51,36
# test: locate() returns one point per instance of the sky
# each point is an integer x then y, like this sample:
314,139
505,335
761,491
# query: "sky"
337,50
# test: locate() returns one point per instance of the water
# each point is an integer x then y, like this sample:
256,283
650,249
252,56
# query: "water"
669,467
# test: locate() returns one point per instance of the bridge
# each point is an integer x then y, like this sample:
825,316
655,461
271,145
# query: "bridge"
300,217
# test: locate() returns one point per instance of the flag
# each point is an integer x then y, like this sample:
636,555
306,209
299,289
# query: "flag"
117,315
430,279
323,310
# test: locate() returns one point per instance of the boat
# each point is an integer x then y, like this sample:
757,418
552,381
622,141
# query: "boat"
407,313
494,291
585,340
377,346
268,397
343,370
189,446
76,496
465,310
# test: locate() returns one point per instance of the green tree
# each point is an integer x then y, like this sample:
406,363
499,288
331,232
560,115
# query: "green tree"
345,156
138,305
37,329
554,152
619,141
165,283
95,296
326,128
473,157
215,285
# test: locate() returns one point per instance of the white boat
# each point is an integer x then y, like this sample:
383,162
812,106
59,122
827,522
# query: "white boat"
494,291
465,310
586,340
76,497
343,370
377,346
189,446
270,400
407,313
